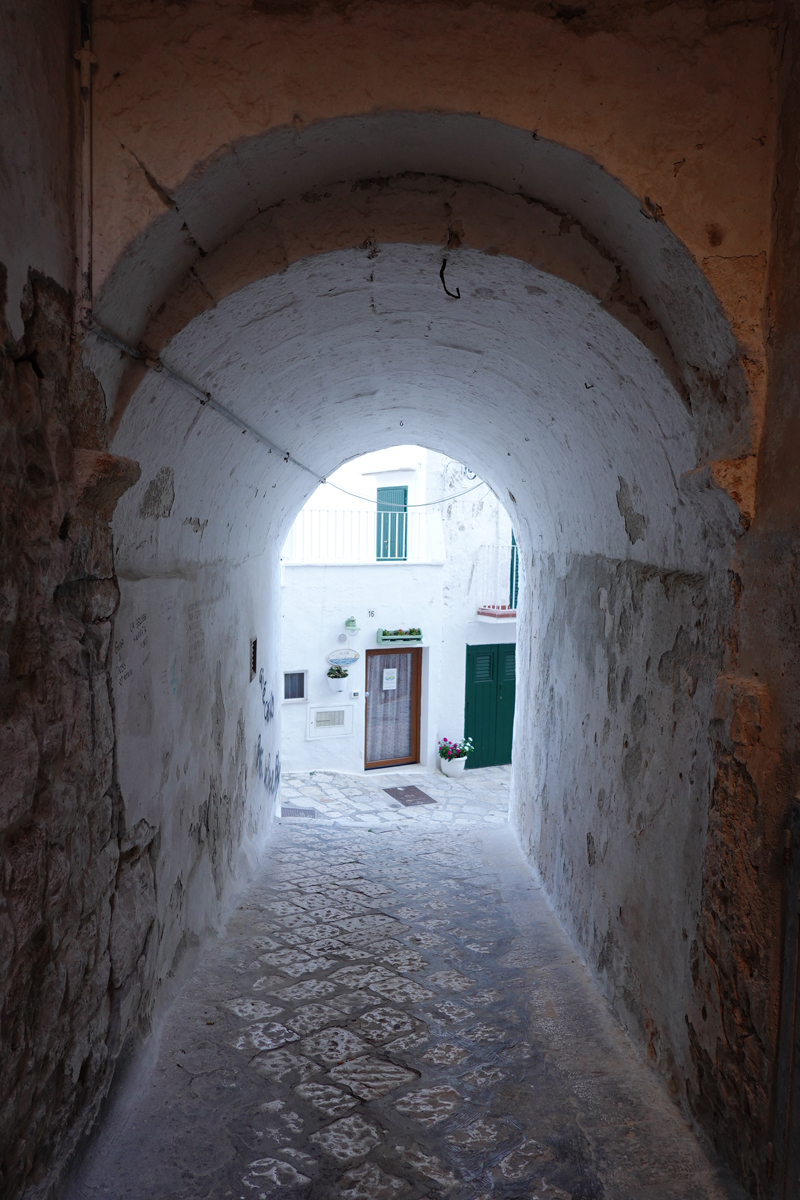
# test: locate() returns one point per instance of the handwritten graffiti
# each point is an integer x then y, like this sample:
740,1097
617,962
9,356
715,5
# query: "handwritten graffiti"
124,672
270,775
268,702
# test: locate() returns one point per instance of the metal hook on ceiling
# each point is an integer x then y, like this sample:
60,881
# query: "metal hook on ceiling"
456,295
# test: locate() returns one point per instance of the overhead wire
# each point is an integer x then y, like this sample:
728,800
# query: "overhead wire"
403,507
206,399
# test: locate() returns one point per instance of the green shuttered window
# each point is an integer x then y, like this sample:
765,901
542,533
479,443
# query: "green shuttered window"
391,524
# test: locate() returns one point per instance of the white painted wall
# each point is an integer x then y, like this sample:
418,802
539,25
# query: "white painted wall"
575,425
473,520
198,748
439,596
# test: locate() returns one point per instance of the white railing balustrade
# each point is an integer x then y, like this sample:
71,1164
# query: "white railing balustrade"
495,584
352,536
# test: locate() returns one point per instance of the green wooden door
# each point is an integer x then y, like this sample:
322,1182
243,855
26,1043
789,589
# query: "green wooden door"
506,695
391,527
489,703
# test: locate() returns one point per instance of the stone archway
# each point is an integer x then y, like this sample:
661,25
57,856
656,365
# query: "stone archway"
681,122
600,407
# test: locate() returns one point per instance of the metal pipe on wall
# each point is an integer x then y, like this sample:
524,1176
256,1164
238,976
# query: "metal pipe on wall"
86,60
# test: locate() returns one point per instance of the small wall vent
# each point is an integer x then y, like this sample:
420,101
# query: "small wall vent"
328,722
327,718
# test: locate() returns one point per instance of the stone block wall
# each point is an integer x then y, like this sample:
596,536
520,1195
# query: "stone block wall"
650,801
76,896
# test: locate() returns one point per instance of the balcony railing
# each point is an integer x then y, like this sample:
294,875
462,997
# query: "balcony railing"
331,536
496,583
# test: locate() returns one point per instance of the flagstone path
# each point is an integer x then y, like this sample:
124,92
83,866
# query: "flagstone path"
394,1013
478,797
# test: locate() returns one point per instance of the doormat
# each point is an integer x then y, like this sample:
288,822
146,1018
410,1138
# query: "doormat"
409,796
298,812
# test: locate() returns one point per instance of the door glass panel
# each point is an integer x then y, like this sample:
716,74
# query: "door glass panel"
389,706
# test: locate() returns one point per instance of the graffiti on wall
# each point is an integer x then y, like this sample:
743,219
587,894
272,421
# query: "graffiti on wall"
195,642
267,701
270,775
137,648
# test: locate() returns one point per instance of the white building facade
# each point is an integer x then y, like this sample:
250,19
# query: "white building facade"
412,541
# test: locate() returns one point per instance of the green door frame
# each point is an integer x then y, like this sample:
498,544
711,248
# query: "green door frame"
490,695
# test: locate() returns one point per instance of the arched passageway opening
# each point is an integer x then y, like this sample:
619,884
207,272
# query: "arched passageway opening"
404,561
582,367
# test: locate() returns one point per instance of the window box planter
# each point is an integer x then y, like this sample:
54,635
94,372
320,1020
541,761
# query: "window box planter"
397,637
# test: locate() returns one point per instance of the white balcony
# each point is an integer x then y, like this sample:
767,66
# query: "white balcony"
352,536
496,582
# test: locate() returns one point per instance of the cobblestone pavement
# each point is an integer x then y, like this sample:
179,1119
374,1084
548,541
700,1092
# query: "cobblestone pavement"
477,797
395,1013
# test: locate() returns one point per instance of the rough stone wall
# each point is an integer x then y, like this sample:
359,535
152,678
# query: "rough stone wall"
756,729
37,85
619,792
77,937
76,898
736,958
197,738
659,786
103,889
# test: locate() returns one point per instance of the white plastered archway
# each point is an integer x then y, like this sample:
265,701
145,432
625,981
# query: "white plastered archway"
568,415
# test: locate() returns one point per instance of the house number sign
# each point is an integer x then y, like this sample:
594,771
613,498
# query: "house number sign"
343,657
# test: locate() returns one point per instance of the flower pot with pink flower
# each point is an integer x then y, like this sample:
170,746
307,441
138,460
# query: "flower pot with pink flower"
453,756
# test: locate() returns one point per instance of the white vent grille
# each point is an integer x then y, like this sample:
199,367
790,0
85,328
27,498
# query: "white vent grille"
325,722
327,718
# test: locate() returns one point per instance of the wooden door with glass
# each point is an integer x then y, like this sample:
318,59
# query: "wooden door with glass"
393,693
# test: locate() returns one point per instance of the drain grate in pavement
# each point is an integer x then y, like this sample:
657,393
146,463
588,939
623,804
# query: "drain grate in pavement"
298,812
409,796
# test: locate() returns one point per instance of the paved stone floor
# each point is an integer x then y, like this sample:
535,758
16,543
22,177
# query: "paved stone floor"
478,797
395,1013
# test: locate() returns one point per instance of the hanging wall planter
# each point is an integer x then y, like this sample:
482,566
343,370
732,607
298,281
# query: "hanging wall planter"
336,678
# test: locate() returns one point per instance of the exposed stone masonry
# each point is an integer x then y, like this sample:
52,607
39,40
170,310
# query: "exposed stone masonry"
76,892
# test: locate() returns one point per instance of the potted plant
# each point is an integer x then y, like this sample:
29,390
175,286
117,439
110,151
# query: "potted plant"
453,756
336,678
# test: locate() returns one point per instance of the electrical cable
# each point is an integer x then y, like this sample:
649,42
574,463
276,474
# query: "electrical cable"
403,507
207,400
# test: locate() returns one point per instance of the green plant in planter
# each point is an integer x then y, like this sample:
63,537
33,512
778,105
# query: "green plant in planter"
337,673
